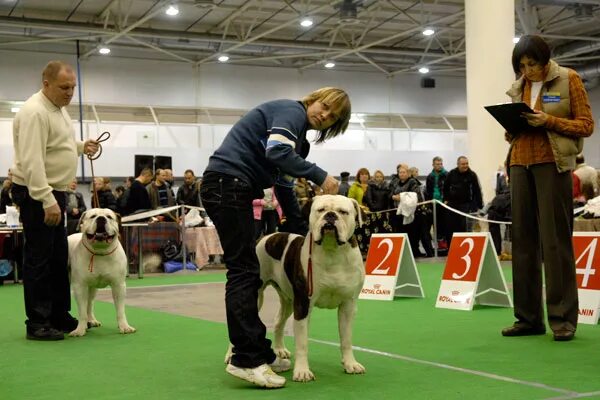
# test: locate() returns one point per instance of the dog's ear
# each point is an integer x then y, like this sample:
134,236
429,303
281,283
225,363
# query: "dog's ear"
80,221
306,209
359,212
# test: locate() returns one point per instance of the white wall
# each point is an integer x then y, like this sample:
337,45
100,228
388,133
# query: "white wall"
109,80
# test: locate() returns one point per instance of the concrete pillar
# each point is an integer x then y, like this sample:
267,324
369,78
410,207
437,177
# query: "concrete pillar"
489,31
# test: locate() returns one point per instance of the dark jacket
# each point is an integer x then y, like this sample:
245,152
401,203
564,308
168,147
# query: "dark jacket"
138,198
5,200
106,199
154,199
462,190
410,185
500,207
377,197
189,195
430,184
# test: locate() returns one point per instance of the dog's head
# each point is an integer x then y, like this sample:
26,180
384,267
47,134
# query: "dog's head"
100,227
334,217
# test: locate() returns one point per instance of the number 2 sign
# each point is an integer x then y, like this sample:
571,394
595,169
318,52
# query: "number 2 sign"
390,269
472,274
587,263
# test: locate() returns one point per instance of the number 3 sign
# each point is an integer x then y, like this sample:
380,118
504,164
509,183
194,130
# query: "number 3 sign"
472,274
390,269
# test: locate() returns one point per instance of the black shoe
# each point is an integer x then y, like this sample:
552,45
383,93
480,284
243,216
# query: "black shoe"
564,335
66,324
522,330
45,334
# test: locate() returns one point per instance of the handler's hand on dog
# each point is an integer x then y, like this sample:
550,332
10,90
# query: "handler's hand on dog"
90,147
52,215
330,185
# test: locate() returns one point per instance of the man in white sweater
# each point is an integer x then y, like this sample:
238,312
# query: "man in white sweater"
45,163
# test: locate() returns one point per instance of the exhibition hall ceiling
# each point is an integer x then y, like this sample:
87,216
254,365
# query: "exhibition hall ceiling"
384,36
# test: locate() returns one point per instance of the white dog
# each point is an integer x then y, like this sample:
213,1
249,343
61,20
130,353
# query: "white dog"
325,270
97,259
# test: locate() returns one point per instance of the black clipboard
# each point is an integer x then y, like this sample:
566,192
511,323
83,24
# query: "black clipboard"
509,116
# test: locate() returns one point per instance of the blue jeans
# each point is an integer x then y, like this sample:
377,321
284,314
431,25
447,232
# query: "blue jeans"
228,202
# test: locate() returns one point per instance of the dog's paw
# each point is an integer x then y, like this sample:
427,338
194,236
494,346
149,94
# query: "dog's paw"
303,375
94,323
282,352
79,331
354,367
126,329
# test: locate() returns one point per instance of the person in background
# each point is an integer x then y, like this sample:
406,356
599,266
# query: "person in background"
138,198
45,163
5,198
75,207
434,190
588,177
159,191
267,213
189,192
377,197
463,193
106,198
266,147
541,160
360,186
404,182
344,185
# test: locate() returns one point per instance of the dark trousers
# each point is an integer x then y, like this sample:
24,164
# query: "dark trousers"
454,221
228,202
45,257
412,231
542,225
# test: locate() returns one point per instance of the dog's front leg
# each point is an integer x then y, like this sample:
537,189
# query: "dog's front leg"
81,296
118,293
92,321
302,372
346,313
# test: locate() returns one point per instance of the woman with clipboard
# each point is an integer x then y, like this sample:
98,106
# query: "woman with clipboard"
541,159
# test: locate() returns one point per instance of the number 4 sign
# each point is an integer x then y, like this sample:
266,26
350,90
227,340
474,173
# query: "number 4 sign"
390,269
472,274
587,261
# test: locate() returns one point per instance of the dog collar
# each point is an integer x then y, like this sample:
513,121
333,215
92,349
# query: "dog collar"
91,266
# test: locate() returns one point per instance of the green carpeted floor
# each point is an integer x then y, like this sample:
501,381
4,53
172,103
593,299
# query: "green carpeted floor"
411,351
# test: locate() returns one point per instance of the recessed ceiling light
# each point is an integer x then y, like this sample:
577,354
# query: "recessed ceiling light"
329,64
223,58
428,32
306,22
104,50
423,70
172,10
516,39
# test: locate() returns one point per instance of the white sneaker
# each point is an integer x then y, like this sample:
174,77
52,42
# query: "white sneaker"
262,375
281,365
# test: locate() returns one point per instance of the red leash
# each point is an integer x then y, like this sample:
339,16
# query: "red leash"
91,266
309,272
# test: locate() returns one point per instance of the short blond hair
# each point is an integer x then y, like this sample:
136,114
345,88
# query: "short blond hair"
339,101
53,68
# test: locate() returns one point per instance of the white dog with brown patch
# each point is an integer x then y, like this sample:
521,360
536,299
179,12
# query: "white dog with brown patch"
324,269
97,260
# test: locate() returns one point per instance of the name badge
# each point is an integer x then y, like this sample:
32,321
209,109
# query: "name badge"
551,97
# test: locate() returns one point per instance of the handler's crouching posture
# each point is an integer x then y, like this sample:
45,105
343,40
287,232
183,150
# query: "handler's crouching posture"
266,147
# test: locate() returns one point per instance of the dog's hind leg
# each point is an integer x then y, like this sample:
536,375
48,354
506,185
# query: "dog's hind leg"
91,320
346,313
81,296
285,310
118,293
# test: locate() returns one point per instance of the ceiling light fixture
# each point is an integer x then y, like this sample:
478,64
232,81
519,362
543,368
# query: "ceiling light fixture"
329,64
423,70
516,39
306,22
223,58
428,32
15,109
104,50
356,118
172,10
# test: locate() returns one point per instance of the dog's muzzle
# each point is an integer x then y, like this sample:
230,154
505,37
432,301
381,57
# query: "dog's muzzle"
330,227
101,235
